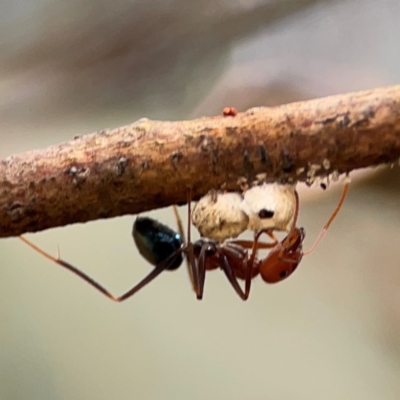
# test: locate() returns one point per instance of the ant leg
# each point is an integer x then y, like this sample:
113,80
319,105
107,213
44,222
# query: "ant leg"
248,244
293,229
190,259
156,271
255,245
189,205
182,233
193,272
153,274
251,261
330,220
293,232
70,267
231,277
201,266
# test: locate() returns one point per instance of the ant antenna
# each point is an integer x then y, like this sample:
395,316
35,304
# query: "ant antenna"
333,216
39,250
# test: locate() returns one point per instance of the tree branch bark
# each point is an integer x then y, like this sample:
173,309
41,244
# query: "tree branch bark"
149,164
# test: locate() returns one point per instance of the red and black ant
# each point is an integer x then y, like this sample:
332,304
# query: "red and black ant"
284,258
164,249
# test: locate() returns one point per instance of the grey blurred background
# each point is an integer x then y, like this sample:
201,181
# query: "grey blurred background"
330,331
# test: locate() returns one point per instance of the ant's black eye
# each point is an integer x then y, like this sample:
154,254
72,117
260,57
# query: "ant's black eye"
264,214
283,274
210,251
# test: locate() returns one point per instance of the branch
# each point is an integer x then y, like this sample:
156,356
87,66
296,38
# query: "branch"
150,164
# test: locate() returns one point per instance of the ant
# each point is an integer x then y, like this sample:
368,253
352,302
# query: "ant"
164,249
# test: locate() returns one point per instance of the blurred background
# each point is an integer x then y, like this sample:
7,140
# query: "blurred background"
330,331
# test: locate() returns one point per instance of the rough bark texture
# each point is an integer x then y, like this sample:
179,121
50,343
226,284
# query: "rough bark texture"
149,164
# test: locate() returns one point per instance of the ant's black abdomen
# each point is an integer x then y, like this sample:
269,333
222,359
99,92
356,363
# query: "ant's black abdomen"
156,242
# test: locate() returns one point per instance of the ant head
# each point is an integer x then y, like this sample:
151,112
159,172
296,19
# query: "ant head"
274,272
282,261
270,206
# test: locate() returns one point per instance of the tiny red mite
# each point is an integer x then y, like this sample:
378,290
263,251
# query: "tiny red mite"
229,112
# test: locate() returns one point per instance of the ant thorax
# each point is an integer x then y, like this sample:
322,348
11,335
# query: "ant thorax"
270,206
218,216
